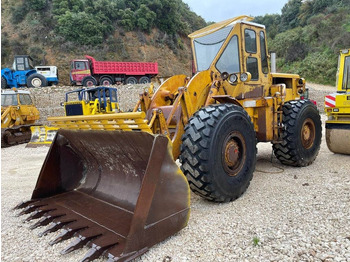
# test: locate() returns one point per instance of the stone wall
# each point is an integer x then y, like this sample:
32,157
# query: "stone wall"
48,99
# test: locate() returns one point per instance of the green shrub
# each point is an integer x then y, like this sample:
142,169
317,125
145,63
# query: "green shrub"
18,13
81,28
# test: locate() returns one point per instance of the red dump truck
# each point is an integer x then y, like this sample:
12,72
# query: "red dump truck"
89,72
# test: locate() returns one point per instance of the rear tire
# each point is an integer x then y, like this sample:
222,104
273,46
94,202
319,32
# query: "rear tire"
36,80
3,83
302,132
131,80
89,81
144,80
218,152
106,81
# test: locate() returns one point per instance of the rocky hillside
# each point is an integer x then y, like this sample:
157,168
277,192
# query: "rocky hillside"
54,32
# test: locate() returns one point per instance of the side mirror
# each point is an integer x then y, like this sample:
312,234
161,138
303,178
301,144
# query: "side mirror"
62,104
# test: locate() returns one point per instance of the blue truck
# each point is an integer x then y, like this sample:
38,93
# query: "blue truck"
23,73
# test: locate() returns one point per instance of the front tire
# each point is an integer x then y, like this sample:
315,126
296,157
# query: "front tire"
36,80
301,135
3,83
218,152
89,81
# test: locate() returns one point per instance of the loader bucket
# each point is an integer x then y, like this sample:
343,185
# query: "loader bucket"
118,192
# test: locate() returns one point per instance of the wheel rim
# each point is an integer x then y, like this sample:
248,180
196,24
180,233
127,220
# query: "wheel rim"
233,153
89,83
144,81
132,81
106,82
308,133
36,82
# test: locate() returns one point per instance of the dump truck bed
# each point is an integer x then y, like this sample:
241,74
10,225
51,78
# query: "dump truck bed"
124,68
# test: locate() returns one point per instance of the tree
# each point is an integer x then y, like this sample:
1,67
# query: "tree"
82,28
290,14
145,18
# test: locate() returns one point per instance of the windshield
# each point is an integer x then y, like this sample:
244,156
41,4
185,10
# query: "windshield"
207,47
31,64
9,100
74,96
25,99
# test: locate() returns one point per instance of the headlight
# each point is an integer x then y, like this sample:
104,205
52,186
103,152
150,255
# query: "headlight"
245,77
232,79
224,75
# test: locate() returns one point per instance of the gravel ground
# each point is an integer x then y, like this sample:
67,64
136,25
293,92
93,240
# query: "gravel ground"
287,214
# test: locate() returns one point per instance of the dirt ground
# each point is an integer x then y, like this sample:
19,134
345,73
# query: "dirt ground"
287,214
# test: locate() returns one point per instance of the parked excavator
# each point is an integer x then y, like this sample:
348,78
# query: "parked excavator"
18,114
121,191
80,102
337,108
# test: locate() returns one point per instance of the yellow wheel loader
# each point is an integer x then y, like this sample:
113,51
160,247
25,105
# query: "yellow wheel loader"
120,190
81,102
337,108
18,114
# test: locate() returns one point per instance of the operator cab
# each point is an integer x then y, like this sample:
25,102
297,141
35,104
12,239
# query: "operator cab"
90,101
15,98
344,69
22,63
79,70
80,65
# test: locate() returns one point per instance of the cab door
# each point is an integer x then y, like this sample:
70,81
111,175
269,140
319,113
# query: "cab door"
79,70
255,59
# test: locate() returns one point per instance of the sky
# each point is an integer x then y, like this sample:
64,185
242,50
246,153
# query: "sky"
219,10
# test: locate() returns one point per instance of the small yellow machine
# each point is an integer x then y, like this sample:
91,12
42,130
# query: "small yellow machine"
337,107
81,102
211,122
18,114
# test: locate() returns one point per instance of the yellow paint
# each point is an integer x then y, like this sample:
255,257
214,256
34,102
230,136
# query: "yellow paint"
341,111
83,72
15,115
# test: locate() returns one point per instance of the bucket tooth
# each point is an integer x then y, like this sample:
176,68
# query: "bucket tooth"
46,220
30,209
66,234
79,242
56,225
24,204
99,246
37,214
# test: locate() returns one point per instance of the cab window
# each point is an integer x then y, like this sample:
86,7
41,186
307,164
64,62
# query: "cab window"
80,65
250,41
9,100
20,63
252,67
113,95
264,63
229,59
25,99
